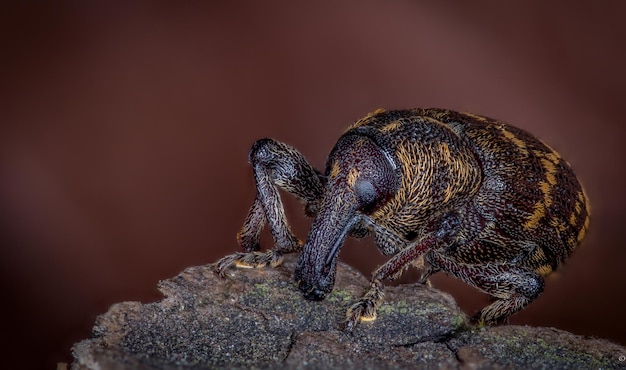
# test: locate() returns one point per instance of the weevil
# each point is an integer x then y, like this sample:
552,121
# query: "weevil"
478,199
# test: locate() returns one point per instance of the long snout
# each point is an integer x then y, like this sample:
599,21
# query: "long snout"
315,271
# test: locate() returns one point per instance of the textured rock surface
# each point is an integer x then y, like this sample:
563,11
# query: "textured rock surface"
258,319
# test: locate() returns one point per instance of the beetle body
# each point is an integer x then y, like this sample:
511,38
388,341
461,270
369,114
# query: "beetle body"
481,200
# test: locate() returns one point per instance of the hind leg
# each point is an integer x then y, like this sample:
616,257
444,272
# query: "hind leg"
275,165
512,287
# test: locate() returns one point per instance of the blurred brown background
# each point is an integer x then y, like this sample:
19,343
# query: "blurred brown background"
125,132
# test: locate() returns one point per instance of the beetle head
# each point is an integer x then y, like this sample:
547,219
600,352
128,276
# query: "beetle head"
361,179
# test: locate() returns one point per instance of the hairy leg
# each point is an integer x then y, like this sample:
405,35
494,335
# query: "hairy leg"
512,287
275,165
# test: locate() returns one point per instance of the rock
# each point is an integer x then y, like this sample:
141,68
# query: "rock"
258,319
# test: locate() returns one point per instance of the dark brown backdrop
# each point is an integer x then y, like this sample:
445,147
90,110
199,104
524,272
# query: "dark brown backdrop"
125,130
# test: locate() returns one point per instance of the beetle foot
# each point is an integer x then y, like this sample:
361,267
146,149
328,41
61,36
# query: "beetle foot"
363,310
249,260
425,278
481,320
478,321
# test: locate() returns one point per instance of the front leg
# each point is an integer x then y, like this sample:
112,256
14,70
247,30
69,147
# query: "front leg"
365,308
274,165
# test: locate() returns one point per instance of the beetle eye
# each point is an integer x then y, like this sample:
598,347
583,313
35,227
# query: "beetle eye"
366,195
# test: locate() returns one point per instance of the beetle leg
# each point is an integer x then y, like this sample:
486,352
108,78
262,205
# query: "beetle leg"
274,165
361,230
513,287
425,278
248,236
387,241
365,308
250,260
